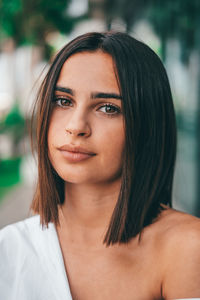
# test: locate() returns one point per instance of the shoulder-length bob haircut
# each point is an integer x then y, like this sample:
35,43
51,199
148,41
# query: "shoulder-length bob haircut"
150,135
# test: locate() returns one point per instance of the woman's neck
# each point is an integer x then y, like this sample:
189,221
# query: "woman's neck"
86,212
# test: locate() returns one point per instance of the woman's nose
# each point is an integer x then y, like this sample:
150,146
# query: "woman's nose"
78,125
76,132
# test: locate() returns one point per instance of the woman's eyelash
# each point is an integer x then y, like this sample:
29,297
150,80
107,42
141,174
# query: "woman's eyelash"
116,109
62,101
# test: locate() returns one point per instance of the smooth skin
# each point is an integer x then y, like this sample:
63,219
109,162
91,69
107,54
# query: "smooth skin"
166,264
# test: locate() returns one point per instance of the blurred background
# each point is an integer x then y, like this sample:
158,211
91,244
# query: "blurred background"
31,31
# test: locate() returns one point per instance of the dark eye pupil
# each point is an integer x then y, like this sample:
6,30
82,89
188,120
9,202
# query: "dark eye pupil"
64,101
110,108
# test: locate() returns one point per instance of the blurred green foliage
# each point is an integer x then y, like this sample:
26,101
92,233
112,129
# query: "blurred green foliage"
130,11
30,21
9,174
178,19
13,125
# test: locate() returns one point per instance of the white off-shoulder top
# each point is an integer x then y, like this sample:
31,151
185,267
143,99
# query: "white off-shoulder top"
31,263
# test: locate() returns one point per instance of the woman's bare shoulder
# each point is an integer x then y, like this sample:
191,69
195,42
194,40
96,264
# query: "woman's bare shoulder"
172,229
172,226
177,225
179,234
180,237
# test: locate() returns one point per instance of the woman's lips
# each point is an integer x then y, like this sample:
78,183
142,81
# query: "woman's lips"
75,153
75,156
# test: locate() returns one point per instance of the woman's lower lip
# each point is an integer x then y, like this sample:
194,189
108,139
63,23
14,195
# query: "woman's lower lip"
75,156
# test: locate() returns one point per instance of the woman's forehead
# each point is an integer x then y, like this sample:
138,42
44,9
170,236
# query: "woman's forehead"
94,70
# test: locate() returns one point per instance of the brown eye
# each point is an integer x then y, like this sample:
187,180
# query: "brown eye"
63,102
110,109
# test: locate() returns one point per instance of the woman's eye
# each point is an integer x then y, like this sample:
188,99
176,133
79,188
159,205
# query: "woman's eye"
63,102
110,109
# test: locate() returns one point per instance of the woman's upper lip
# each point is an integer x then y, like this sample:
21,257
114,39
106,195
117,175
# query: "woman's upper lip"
75,149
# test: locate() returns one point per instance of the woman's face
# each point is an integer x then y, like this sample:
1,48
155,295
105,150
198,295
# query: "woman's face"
86,130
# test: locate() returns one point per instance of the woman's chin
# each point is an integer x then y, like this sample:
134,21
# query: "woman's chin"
77,179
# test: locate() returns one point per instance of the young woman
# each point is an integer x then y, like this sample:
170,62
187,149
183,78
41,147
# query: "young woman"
106,143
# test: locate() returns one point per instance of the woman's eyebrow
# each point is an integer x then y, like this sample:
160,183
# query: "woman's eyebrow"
93,95
64,89
106,95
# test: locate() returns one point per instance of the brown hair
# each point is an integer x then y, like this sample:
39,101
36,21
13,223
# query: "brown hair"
150,130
